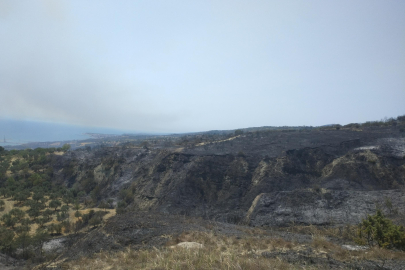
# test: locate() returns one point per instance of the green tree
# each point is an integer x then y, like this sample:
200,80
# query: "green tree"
67,225
9,220
121,207
64,209
22,241
55,204
76,207
78,214
6,241
3,192
94,221
95,193
36,179
65,147
38,240
103,205
2,203
34,212
22,196
58,228
41,221
379,230
68,199
110,202
47,214
37,196
17,213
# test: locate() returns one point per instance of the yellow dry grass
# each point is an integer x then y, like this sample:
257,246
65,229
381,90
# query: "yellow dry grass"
7,206
218,252
221,252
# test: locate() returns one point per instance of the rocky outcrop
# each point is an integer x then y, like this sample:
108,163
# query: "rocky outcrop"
325,207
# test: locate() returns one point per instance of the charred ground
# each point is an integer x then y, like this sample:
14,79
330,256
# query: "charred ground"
330,176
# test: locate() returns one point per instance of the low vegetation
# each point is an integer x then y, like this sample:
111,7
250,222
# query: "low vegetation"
33,208
261,250
379,230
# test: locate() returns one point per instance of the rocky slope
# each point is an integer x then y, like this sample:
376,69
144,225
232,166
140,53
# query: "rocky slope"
307,207
221,179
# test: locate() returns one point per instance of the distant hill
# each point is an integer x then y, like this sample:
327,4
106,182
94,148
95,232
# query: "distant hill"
15,132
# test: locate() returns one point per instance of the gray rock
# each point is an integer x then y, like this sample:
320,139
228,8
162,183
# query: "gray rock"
325,208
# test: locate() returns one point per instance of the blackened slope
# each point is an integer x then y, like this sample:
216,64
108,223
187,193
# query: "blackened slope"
222,181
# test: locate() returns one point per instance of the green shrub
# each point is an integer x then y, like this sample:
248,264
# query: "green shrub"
379,230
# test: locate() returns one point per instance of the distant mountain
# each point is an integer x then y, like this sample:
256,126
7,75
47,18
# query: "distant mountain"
14,132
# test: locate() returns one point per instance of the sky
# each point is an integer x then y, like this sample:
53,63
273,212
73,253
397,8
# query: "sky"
185,66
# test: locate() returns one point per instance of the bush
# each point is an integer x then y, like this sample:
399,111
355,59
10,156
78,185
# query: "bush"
379,230
121,207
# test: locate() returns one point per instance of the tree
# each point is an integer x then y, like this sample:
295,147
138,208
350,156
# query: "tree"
65,147
23,241
41,221
95,193
55,204
121,207
64,209
2,203
10,183
94,221
58,228
76,207
78,214
22,196
6,241
47,214
17,213
37,196
38,240
110,202
103,205
3,192
68,199
67,225
379,230
34,212
9,220
36,167
36,179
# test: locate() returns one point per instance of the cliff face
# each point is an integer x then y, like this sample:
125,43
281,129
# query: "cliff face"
221,180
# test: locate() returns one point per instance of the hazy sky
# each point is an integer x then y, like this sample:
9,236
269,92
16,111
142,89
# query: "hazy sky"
177,66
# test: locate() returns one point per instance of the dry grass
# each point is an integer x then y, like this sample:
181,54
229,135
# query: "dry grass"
227,252
176,259
7,206
219,252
